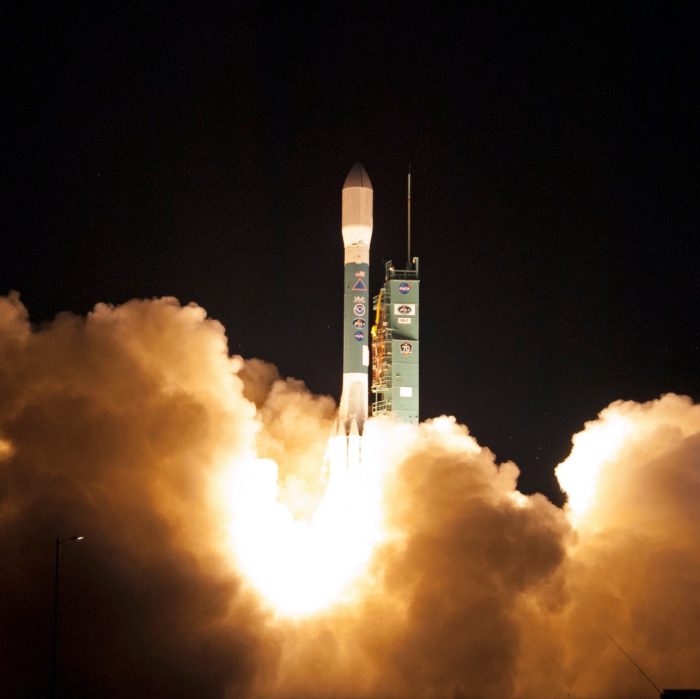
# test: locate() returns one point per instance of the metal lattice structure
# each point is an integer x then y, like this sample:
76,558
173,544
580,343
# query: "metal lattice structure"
395,344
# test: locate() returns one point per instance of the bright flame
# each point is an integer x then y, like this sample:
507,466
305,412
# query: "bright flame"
597,445
6,449
301,567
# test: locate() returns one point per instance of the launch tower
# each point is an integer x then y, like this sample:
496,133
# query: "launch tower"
395,357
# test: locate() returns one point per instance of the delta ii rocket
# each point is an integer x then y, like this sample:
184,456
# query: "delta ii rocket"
394,335
357,224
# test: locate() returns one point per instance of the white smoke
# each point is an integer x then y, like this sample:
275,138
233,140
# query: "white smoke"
120,425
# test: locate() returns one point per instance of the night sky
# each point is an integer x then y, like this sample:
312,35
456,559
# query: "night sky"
198,151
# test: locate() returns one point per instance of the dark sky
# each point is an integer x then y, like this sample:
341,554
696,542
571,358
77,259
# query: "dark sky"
199,151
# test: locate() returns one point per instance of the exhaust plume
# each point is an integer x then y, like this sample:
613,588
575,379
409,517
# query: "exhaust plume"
221,559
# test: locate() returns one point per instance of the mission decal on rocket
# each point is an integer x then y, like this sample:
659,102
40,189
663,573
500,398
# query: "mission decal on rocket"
357,223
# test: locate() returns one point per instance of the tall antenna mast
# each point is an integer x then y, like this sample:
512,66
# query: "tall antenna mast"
408,265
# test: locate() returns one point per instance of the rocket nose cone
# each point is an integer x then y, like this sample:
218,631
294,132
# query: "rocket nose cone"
357,177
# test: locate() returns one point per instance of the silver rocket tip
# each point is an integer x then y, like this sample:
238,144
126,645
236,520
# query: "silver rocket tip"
357,177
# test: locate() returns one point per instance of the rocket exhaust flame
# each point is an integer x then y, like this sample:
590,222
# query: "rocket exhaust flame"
303,566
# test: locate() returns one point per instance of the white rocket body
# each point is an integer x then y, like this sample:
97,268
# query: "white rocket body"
357,223
357,216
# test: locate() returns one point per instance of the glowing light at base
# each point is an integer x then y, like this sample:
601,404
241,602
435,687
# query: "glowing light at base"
6,449
303,566
579,474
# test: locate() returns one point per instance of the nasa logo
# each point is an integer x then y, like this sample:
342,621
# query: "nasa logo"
404,288
359,323
359,335
406,348
359,309
404,310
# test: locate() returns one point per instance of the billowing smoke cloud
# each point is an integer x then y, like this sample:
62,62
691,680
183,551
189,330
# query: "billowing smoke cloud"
111,425
118,426
634,570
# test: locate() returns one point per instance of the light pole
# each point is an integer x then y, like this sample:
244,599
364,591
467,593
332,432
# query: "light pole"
56,578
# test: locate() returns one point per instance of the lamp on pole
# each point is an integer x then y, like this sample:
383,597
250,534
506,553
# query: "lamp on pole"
56,578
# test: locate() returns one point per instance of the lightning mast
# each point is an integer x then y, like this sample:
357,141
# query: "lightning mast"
408,219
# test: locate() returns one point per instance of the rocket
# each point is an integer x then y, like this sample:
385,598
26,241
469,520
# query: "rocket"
357,224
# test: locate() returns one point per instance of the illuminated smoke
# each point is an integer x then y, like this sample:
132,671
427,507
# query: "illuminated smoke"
115,423
634,570
221,559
